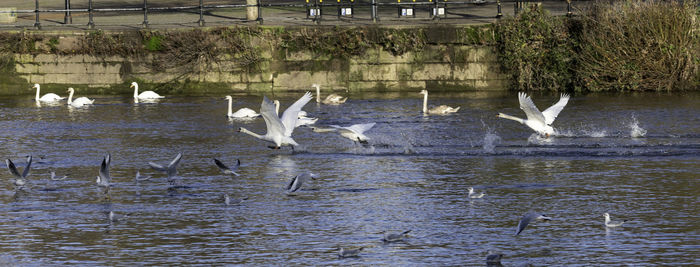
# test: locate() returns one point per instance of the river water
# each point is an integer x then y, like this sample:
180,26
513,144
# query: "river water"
635,156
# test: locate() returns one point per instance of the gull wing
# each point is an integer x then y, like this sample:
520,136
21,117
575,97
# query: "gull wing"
524,221
176,161
551,113
221,165
361,128
291,114
104,169
26,169
157,166
294,184
12,168
272,121
529,107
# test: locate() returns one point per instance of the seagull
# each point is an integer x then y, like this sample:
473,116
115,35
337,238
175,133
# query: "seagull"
54,178
114,218
611,224
539,121
170,170
473,194
395,237
279,130
104,179
20,178
303,119
138,178
229,201
296,182
226,169
527,217
349,253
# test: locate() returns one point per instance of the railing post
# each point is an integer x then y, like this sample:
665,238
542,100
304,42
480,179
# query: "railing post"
568,8
37,25
374,11
145,13
260,19
201,13
91,24
499,14
67,18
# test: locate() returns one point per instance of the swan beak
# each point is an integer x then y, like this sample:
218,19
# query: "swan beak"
131,86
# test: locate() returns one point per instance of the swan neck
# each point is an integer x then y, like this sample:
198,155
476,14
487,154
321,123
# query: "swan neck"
318,94
37,93
244,130
425,102
70,97
230,107
136,90
277,108
506,116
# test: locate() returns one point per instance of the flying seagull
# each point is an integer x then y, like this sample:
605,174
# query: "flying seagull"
20,178
170,170
527,218
225,169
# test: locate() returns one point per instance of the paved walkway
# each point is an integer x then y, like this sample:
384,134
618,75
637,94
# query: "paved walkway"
279,15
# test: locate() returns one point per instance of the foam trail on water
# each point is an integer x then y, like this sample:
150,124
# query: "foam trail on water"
635,130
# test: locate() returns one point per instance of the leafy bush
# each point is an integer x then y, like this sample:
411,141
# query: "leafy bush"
536,50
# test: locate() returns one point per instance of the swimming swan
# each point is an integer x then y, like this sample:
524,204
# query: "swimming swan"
536,120
47,98
332,99
279,131
144,95
241,113
439,110
78,102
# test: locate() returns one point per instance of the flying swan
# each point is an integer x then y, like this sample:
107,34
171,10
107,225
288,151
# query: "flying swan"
279,130
47,98
241,113
332,99
539,121
439,110
355,132
78,102
147,95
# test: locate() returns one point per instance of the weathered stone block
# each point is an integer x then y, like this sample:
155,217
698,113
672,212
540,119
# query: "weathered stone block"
372,72
432,72
300,79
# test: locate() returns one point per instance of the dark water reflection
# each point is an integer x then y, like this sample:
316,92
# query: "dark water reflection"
414,176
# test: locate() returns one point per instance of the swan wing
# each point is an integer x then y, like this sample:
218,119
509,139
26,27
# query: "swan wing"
291,114
361,128
552,112
245,112
272,121
529,108
149,94
12,168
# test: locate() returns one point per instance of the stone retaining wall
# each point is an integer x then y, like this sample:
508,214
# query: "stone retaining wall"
437,67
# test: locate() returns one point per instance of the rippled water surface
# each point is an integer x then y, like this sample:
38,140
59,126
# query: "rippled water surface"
634,156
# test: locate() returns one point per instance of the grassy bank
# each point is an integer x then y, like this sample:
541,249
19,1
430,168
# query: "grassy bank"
623,46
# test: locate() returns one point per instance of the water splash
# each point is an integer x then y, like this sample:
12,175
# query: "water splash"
635,130
490,142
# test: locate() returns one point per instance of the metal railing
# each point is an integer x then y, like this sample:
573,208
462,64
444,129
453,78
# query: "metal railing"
314,9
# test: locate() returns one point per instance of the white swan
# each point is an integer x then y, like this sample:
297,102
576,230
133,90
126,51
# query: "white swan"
279,131
332,99
536,120
439,110
47,98
302,119
144,95
241,113
78,102
354,132
611,224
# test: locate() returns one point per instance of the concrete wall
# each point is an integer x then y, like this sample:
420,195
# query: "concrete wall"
436,67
